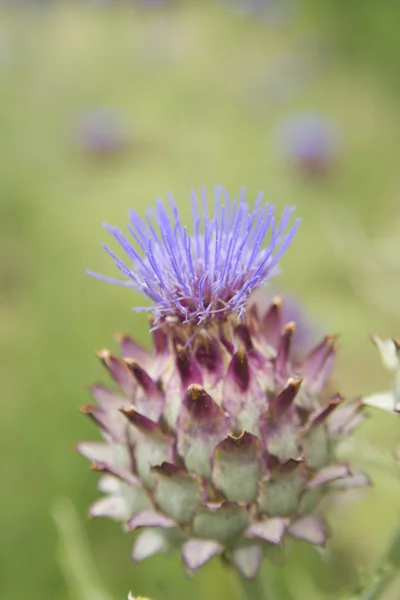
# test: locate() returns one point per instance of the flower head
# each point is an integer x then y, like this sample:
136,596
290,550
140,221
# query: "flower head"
102,132
210,273
274,12
311,142
224,445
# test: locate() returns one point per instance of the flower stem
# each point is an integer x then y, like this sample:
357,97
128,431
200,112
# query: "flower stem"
385,571
377,590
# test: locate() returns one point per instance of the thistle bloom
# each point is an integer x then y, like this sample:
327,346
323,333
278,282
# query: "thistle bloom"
272,11
222,439
210,274
102,132
310,142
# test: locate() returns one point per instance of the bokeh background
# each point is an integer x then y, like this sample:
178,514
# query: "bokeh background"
104,106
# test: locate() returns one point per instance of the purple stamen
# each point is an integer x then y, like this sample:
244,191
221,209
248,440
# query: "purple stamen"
211,273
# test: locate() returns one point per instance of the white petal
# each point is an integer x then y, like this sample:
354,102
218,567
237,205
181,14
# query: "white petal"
149,518
149,542
329,474
310,529
110,506
271,530
356,480
389,353
197,552
97,451
248,560
383,400
109,485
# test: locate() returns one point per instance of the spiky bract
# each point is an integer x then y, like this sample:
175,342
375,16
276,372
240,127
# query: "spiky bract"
224,443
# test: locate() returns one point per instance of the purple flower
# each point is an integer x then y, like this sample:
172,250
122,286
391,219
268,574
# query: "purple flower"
101,131
272,11
153,2
209,274
222,439
311,141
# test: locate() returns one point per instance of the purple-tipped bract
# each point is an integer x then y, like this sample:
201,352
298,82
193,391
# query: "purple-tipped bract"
221,451
207,274
222,440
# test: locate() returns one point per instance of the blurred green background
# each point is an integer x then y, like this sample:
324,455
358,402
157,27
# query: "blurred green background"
202,93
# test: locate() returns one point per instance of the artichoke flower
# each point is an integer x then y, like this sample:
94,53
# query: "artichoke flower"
221,440
312,143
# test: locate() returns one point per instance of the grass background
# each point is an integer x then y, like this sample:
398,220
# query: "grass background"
203,92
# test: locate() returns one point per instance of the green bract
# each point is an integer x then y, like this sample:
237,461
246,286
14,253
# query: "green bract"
221,441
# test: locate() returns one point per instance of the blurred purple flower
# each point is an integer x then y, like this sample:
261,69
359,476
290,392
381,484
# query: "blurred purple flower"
134,2
153,2
102,131
311,142
271,11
